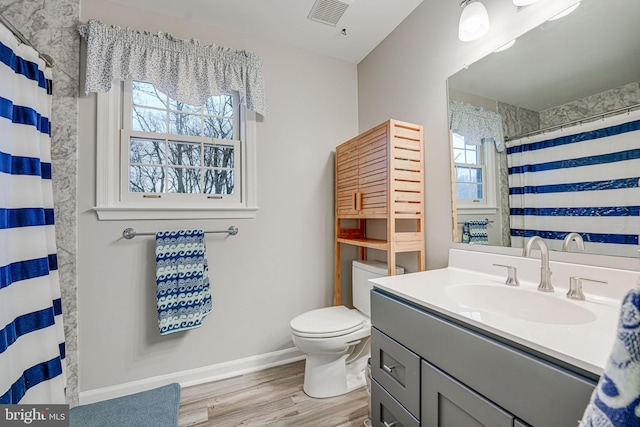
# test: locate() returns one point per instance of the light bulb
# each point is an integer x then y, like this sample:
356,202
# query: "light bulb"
474,22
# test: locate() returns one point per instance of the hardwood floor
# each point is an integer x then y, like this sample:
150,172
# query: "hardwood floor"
271,397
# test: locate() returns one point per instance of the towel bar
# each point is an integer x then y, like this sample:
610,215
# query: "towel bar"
130,233
486,220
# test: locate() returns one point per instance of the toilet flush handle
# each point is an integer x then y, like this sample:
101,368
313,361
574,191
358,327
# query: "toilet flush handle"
388,369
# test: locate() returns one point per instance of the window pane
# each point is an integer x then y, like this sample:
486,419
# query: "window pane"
458,140
185,124
476,175
183,180
147,151
147,94
472,155
462,174
458,156
184,154
146,179
219,106
181,106
218,182
219,156
217,127
148,120
462,191
478,193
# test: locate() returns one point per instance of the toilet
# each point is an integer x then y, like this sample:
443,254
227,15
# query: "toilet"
336,340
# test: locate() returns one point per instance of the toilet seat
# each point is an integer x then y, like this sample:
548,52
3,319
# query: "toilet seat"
327,322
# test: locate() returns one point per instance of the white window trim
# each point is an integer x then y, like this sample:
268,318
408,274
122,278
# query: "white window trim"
108,203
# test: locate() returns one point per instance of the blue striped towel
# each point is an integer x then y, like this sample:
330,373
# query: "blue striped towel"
478,234
615,402
182,280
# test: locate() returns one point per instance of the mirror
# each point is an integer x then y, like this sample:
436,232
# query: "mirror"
569,76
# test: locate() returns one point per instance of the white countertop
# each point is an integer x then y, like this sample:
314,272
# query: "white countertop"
585,343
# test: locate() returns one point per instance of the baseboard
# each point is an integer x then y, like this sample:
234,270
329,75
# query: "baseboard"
195,376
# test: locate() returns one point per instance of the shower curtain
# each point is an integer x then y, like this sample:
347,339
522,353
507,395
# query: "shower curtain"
582,179
31,332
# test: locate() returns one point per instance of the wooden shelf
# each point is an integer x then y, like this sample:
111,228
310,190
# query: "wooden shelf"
383,245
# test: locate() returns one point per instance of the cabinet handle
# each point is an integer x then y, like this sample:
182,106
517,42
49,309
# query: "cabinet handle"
357,200
386,424
388,369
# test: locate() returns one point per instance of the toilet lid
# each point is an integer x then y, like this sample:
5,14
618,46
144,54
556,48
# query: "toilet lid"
327,322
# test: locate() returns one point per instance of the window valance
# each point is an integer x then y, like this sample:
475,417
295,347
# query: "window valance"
476,124
183,69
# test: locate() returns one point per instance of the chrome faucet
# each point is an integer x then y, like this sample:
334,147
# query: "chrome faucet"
545,272
573,237
575,287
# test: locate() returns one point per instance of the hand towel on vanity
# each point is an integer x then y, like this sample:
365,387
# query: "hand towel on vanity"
615,402
182,280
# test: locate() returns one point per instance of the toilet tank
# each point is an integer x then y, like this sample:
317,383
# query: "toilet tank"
361,272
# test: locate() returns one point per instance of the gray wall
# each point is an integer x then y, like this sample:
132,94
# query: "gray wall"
405,78
279,265
50,26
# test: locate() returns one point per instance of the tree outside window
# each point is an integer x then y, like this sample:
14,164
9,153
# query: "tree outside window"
180,148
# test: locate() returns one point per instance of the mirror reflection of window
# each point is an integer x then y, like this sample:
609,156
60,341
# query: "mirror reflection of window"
469,171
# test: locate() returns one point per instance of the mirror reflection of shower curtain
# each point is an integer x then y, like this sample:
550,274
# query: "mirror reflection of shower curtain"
590,187
31,331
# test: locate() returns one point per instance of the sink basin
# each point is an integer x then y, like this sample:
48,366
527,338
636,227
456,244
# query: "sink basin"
523,304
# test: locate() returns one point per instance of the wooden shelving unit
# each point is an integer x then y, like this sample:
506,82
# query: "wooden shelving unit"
380,175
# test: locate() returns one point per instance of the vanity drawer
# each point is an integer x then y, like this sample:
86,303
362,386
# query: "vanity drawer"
386,411
397,369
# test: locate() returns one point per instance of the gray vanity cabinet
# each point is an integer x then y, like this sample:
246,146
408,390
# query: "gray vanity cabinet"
432,371
448,403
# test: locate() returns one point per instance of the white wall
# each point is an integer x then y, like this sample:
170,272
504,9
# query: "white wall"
279,265
405,78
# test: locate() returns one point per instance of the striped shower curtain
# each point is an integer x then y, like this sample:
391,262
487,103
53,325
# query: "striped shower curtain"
581,179
31,333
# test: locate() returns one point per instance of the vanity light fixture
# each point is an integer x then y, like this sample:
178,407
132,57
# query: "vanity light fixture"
565,12
505,46
522,3
474,21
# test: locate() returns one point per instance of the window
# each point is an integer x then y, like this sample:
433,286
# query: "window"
172,148
173,160
469,173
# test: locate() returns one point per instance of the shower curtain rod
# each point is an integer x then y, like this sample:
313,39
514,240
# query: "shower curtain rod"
46,58
575,122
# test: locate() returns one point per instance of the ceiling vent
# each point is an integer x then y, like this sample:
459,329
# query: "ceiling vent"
328,11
